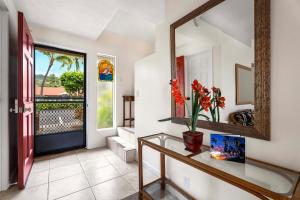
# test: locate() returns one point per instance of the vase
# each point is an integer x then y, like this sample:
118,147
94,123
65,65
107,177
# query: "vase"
193,141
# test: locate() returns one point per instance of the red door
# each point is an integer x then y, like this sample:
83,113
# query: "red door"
180,110
25,101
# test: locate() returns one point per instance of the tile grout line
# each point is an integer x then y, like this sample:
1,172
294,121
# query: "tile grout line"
122,175
107,181
63,165
69,177
64,178
86,177
114,166
110,164
71,193
129,183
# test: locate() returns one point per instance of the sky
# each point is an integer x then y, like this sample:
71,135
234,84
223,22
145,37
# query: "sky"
42,63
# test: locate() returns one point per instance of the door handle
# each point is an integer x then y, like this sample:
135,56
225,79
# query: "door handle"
15,109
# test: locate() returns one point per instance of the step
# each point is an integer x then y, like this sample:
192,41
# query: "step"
125,150
127,133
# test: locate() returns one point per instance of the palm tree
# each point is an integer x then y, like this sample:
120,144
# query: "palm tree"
64,60
77,61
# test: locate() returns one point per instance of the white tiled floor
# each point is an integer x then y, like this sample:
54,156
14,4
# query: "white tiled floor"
80,175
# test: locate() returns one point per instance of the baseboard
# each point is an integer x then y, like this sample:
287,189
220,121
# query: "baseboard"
4,187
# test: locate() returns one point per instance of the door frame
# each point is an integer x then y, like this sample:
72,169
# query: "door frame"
54,48
4,105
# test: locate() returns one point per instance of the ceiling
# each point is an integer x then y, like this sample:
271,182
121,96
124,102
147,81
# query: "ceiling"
234,17
126,24
89,18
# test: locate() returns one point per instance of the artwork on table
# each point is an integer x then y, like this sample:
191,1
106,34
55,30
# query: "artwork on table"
105,70
225,147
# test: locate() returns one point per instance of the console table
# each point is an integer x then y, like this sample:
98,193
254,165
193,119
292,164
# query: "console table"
265,181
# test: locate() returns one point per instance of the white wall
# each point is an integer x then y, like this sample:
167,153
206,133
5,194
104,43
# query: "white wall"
10,157
127,51
13,17
4,166
153,100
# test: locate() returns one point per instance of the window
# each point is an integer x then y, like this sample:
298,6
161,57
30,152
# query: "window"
105,91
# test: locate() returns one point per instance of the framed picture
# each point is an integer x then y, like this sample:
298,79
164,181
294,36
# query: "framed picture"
226,147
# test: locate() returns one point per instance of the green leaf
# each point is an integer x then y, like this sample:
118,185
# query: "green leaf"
195,110
65,61
206,117
50,54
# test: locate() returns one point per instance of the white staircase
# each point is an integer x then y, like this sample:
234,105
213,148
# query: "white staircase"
124,145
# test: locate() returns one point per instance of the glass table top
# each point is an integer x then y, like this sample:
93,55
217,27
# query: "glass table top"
275,179
170,143
271,178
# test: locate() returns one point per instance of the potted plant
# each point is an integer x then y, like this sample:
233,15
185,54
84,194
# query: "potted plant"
202,100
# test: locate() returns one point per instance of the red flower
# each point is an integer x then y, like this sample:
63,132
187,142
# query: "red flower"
205,103
205,90
179,98
221,102
196,86
215,90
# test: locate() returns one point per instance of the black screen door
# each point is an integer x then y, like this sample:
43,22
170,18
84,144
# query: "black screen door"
60,99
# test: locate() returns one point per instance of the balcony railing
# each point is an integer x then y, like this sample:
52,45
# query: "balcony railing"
58,115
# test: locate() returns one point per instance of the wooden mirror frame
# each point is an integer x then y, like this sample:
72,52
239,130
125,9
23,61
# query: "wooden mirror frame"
261,129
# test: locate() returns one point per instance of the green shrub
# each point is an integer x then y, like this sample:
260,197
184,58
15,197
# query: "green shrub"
57,106
73,82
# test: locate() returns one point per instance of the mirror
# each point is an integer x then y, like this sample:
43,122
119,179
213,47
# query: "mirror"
244,85
225,44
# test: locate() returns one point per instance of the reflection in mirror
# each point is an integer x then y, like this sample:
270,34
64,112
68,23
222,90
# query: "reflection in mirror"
244,84
208,48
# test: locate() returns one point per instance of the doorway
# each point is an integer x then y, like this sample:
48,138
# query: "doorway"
60,99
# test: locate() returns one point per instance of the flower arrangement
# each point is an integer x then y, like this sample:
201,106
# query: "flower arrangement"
202,100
